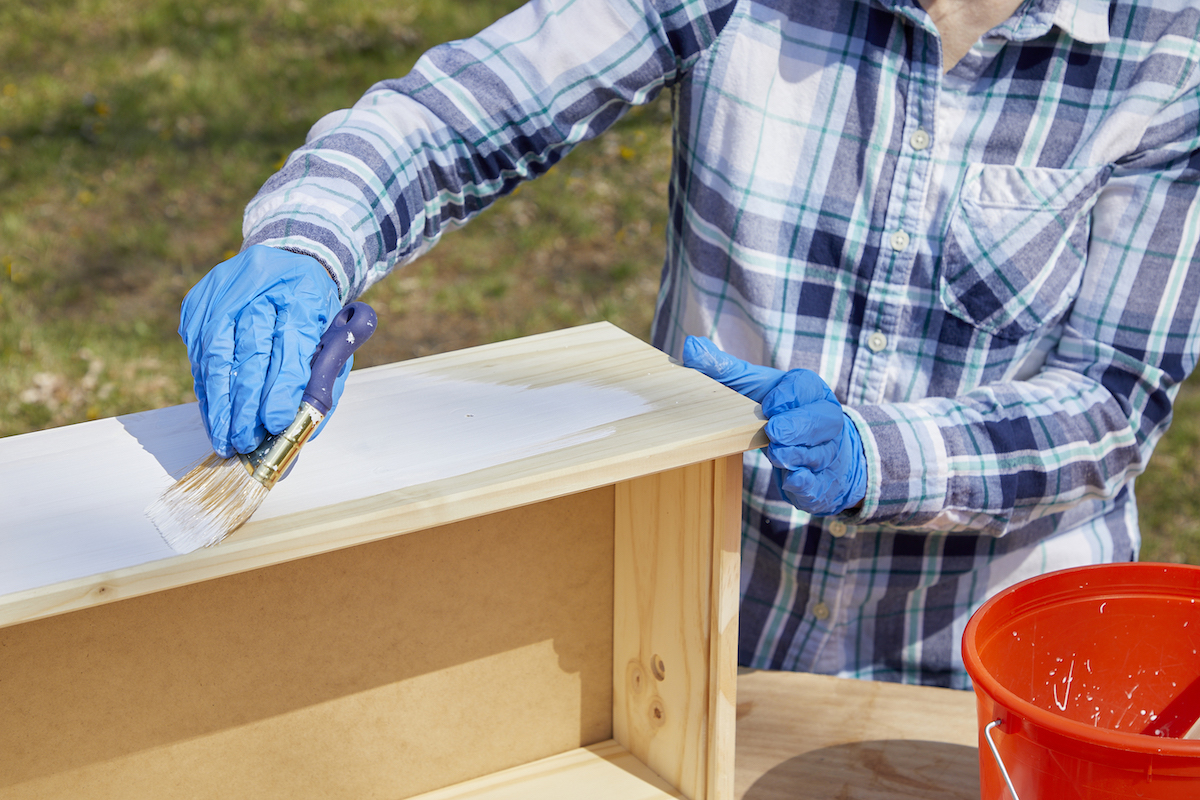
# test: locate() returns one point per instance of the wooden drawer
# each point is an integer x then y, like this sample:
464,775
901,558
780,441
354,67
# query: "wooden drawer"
509,571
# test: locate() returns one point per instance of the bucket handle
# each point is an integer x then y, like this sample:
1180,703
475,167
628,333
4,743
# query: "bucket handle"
987,733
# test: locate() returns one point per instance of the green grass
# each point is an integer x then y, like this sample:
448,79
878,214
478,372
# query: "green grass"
133,132
1169,492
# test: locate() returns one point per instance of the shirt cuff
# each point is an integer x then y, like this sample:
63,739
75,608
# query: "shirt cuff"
907,466
308,247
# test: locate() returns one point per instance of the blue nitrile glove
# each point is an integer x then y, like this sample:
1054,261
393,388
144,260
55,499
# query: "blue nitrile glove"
814,445
251,326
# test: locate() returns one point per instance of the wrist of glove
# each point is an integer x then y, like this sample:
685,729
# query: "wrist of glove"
251,326
813,444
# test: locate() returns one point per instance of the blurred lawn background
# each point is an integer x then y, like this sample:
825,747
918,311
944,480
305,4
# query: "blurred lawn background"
133,132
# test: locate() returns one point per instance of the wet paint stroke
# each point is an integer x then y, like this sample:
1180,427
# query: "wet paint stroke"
74,497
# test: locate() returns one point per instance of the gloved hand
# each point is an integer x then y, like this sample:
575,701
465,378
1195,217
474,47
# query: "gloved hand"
814,445
251,326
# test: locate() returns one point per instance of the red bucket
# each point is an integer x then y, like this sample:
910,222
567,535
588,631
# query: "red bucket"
1085,680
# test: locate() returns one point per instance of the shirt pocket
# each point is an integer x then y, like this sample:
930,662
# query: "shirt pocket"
1016,245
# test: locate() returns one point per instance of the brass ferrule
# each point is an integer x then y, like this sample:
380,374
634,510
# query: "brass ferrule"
271,459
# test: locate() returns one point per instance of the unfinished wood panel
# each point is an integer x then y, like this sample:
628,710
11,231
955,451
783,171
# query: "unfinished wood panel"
673,551
413,445
604,771
824,738
383,670
725,598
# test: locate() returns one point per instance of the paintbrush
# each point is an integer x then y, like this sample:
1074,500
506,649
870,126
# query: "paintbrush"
219,494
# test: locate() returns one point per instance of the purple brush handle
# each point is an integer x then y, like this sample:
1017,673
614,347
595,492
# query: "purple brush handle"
353,325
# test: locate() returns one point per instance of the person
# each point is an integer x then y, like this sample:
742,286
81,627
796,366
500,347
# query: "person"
948,244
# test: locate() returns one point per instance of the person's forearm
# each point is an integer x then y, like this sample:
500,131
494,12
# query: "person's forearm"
1000,457
378,184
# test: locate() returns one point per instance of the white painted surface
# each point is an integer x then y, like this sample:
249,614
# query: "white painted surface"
73,498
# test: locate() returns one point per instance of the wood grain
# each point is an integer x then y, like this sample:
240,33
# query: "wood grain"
675,589
454,436
489,562
813,737
723,637
605,771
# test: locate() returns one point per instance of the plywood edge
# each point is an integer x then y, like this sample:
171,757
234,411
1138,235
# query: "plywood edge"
604,771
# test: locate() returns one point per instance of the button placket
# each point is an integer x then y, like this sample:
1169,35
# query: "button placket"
829,586
902,228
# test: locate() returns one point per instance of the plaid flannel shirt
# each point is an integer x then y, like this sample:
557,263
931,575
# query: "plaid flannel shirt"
991,267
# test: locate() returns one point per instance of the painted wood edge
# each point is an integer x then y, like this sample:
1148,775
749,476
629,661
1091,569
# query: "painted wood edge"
603,771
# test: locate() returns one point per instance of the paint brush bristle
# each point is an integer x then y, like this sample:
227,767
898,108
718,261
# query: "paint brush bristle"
207,504
219,494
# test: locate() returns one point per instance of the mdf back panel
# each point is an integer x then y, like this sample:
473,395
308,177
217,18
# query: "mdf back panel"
383,670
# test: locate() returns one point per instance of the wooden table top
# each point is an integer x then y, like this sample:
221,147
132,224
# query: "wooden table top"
812,737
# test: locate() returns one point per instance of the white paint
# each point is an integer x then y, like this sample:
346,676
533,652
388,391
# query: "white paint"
437,428
1062,706
74,498
69,495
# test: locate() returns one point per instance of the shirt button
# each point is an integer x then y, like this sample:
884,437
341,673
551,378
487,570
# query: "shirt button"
821,611
837,528
899,240
919,140
876,341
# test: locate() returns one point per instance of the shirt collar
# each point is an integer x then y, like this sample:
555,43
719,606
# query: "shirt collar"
1083,20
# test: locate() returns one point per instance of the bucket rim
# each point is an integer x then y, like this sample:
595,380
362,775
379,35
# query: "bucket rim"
1040,717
